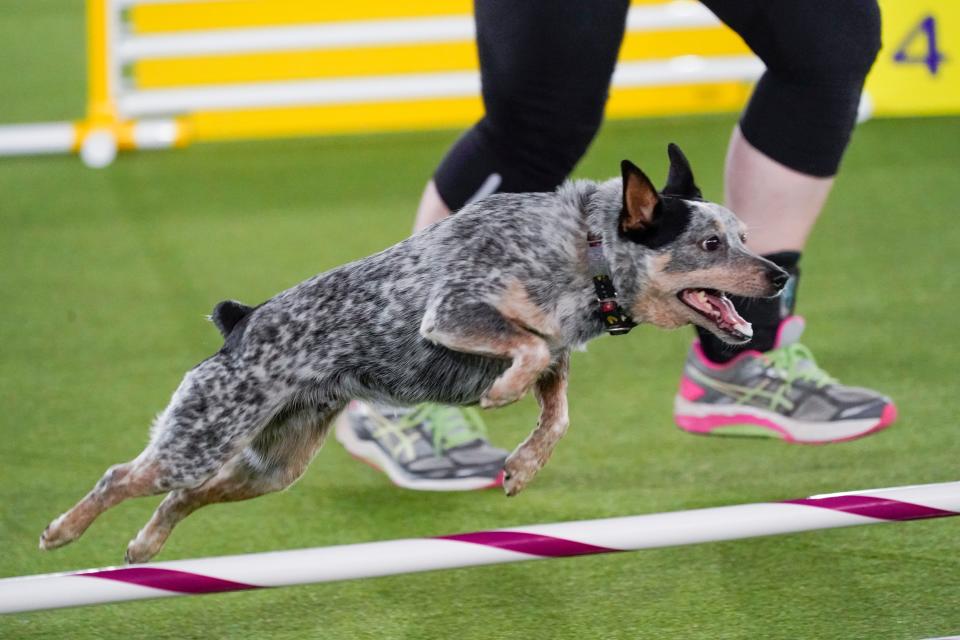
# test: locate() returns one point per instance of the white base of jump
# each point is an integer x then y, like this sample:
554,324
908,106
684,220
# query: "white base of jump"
536,542
31,139
98,146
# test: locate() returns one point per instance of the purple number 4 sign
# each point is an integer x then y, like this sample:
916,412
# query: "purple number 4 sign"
927,28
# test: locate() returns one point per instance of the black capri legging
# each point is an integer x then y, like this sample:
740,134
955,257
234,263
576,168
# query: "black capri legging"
546,67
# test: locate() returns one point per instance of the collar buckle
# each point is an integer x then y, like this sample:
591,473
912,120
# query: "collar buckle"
615,320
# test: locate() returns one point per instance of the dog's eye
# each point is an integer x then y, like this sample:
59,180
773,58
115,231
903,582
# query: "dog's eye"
710,244
743,238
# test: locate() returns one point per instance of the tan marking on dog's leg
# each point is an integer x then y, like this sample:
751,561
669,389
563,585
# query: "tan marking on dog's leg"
516,305
530,358
529,353
128,480
243,478
528,458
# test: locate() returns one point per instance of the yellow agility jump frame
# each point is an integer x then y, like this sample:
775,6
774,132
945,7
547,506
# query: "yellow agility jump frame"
165,73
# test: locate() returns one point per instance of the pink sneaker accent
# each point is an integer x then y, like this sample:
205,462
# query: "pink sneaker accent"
730,416
887,417
708,424
690,390
789,331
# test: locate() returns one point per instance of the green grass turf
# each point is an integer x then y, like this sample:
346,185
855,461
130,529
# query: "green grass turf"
105,278
43,60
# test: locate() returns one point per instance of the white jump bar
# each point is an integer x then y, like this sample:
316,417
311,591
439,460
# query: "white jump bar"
310,36
516,544
29,139
682,70
679,14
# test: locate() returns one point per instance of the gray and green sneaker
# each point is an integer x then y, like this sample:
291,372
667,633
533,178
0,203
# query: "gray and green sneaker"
429,447
780,394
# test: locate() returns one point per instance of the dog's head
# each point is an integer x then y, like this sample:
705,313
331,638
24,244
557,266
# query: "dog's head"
691,254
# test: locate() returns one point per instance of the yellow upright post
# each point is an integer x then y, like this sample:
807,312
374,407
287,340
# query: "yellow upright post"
101,109
98,138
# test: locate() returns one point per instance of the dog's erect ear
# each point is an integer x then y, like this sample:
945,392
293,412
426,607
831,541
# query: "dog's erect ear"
680,179
640,199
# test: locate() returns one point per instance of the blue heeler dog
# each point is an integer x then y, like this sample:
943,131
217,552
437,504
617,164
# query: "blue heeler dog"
479,308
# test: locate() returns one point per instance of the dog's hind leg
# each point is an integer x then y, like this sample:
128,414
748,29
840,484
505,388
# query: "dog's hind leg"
533,453
210,418
272,462
121,481
483,329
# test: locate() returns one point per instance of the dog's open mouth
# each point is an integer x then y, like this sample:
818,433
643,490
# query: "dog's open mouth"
716,307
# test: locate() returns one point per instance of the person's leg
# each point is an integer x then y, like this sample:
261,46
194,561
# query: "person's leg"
431,208
787,148
546,67
781,163
779,204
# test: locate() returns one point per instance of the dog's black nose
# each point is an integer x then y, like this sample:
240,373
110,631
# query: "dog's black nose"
778,277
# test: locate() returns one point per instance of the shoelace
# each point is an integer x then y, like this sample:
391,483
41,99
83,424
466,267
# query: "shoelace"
448,426
791,363
795,362
788,360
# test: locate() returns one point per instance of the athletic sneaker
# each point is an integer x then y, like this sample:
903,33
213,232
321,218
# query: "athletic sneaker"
429,447
779,394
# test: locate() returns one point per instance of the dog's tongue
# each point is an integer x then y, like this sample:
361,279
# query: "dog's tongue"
719,308
729,315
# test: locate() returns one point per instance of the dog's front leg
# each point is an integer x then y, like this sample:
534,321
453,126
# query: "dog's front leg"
530,357
533,453
480,328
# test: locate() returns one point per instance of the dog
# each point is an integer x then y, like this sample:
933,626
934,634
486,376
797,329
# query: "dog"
478,308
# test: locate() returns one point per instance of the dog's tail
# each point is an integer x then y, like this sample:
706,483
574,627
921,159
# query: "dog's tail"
227,314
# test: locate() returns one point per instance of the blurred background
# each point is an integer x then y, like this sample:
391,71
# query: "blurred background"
162,73
259,142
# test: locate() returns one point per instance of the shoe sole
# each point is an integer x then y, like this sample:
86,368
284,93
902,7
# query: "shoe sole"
740,420
372,455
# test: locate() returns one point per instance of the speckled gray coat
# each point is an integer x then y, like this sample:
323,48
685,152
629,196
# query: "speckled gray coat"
481,307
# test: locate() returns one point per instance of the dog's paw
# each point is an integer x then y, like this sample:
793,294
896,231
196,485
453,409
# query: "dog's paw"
488,402
136,554
518,471
56,535
143,548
